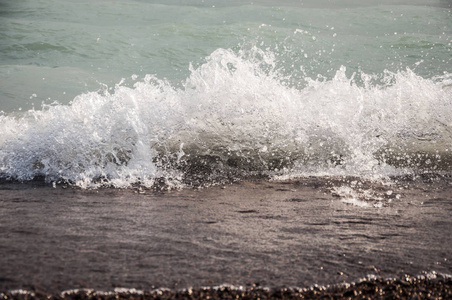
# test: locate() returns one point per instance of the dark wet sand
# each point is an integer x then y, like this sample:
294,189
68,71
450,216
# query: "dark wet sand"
251,234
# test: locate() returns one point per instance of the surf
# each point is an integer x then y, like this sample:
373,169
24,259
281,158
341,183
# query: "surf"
235,115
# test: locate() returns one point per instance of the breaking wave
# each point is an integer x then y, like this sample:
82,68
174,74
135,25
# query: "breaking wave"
235,116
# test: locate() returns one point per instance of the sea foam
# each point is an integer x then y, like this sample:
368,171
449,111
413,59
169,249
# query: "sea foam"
234,116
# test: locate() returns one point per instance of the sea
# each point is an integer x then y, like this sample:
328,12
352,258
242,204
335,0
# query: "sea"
124,98
119,93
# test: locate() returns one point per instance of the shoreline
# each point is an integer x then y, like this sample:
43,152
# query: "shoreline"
263,233
432,286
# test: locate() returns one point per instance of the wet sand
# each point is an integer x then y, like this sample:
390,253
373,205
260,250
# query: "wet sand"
262,235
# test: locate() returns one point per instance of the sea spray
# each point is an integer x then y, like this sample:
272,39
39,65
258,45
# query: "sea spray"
235,116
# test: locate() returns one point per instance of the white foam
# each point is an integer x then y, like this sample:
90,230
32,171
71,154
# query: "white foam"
234,112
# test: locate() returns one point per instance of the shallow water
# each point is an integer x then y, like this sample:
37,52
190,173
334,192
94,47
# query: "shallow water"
271,234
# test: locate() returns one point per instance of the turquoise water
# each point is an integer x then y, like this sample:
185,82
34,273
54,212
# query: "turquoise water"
121,92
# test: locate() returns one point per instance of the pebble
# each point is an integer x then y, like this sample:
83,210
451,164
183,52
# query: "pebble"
405,288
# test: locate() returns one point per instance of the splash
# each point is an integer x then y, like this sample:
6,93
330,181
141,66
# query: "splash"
235,116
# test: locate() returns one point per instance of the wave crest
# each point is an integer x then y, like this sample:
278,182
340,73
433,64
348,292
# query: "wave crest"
235,116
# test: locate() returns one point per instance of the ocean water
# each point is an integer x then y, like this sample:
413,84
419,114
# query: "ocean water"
123,93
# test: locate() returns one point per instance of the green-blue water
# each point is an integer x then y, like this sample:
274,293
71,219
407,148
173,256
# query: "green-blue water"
127,91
